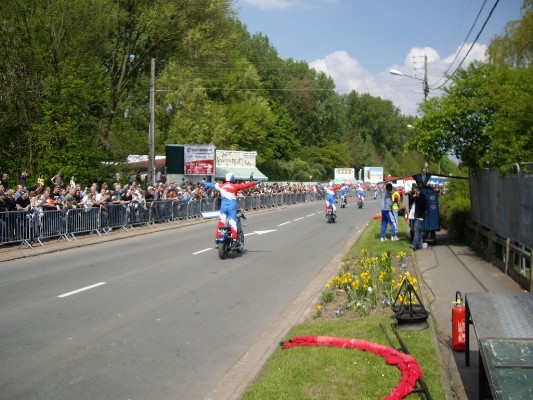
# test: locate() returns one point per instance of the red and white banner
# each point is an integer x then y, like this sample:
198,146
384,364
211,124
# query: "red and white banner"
199,159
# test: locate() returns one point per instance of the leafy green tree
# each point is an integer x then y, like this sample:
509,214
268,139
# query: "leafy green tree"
54,102
514,47
281,137
484,119
76,81
329,156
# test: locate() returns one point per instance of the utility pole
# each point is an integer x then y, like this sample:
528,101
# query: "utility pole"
151,129
426,86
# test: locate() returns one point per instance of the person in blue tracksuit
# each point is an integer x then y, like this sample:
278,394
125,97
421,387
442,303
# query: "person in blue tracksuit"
360,194
344,194
387,215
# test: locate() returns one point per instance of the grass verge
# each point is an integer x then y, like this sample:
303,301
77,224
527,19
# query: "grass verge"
337,373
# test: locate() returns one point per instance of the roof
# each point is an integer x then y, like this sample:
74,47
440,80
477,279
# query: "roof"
241,173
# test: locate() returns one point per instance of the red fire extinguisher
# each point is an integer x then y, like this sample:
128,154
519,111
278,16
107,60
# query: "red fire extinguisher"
458,324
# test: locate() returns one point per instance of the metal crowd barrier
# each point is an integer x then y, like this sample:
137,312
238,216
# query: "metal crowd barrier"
15,227
32,227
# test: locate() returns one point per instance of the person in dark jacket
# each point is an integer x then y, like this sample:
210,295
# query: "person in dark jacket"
419,204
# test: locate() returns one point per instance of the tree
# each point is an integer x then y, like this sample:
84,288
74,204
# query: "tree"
485,116
329,156
515,46
484,119
145,29
55,82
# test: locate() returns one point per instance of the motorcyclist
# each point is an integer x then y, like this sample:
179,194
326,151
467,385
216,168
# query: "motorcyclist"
344,195
330,195
360,194
228,206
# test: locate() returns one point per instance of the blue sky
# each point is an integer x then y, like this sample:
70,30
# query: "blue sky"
357,42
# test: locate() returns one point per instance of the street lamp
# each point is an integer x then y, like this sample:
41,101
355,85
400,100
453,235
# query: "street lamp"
425,85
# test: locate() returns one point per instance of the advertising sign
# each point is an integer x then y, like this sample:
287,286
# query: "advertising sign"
199,159
236,159
344,175
373,174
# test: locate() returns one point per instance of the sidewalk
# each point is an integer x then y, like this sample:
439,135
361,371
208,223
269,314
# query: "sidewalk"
444,269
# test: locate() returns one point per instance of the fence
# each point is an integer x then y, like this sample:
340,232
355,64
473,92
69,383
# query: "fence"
502,220
28,228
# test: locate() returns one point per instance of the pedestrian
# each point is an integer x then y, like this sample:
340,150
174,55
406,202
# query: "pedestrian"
387,216
419,204
24,179
57,180
411,214
395,205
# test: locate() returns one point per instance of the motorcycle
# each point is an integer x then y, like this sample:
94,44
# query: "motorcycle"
360,202
344,200
224,240
330,214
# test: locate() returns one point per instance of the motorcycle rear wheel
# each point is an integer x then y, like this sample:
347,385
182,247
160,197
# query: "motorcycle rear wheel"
223,249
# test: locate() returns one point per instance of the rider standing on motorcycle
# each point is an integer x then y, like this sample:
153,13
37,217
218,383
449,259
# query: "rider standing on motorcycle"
360,194
330,195
228,206
344,196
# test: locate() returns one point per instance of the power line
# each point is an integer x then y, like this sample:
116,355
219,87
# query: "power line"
471,47
464,42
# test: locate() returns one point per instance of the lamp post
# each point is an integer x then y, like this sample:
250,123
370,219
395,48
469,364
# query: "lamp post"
425,85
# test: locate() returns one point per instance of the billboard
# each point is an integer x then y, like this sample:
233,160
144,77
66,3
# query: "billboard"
236,159
199,159
344,175
373,174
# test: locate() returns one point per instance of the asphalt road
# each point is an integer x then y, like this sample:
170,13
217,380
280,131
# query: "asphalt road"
160,316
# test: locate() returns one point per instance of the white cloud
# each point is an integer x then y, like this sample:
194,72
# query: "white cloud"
404,91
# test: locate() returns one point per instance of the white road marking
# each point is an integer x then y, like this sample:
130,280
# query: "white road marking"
263,232
285,223
297,219
82,289
310,215
202,251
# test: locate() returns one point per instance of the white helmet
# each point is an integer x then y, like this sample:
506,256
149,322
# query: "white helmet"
330,183
230,177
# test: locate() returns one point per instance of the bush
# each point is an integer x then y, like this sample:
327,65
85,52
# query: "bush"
455,208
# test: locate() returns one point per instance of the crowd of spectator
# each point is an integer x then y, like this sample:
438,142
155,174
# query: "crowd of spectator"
59,194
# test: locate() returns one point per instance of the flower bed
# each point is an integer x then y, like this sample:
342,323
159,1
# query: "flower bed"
366,284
